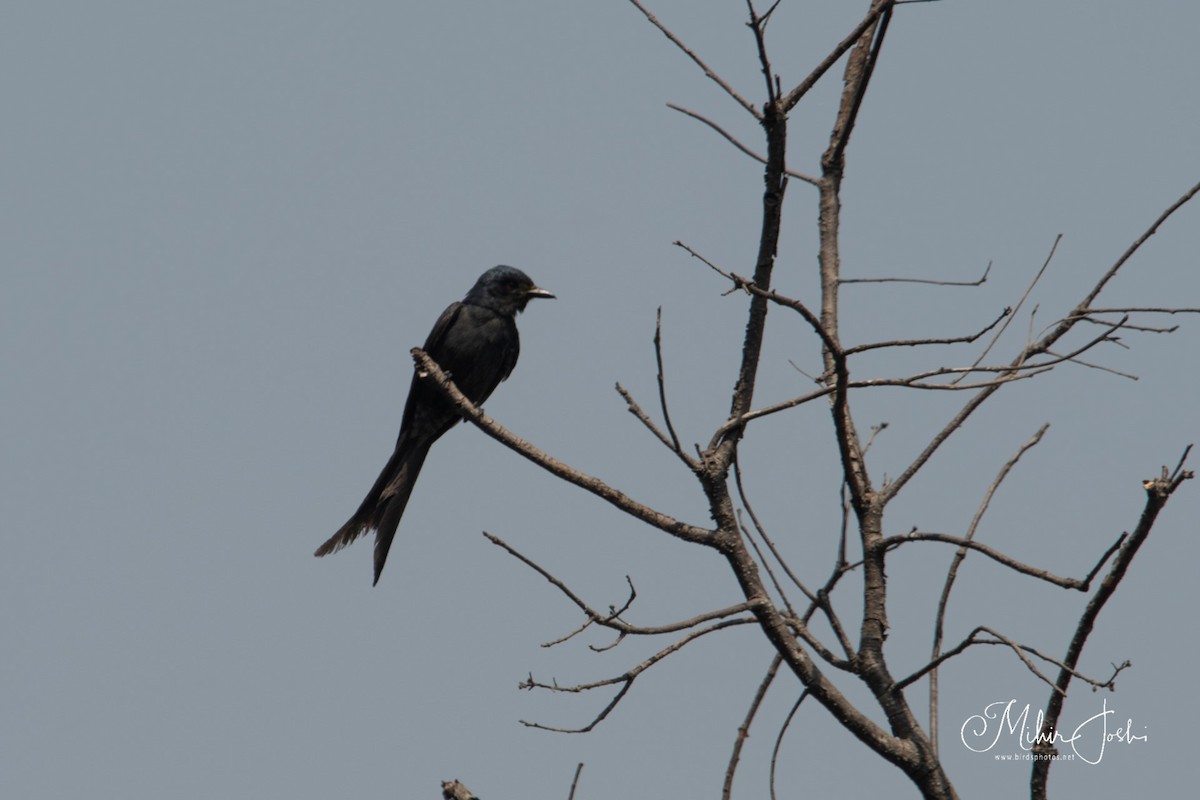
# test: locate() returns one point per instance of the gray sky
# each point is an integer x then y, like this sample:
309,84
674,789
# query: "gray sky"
224,224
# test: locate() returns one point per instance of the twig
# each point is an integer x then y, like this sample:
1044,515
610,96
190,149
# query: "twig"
1138,310
1069,321
733,141
1158,492
1133,248
1011,563
758,25
575,781
625,679
779,739
979,282
662,392
741,489
793,97
634,408
714,77
1132,327
977,400
952,573
1041,346
612,619
740,422
1104,558
859,69
921,342
787,302
1018,649
1021,302
429,369
744,729
1099,367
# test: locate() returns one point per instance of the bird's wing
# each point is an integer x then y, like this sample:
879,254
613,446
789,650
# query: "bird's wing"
444,323
514,350
432,344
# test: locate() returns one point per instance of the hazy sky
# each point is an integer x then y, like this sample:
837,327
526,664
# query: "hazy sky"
225,224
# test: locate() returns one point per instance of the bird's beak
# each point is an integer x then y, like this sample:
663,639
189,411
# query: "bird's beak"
536,292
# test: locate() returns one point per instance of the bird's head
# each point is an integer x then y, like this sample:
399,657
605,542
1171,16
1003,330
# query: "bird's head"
505,290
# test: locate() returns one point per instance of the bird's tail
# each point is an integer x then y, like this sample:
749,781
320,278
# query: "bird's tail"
383,506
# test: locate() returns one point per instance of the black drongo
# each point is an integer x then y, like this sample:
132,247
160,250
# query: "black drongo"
476,342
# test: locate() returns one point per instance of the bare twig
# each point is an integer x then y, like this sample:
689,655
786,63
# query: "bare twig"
612,620
1021,302
1099,367
793,97
575,781
998,557
1131,327
744,729
779,739
1137,310
775,408
625,680
737,477
1158,492
859,69
977,400
1104,558
702,259
1041,346
733,141
644,418
952,573
1018,649
1133,248
927,281
429,369
787,302
758,25
922,342
662,392
714,77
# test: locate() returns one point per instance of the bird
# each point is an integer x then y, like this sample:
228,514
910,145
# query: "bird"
475,341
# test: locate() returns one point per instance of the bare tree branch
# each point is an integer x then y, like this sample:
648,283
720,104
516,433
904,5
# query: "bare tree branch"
859,69
662,393
922,342
1019,650
758,25
741,489
429,370
1129,252
1138,309
708,73
1028,291
612,619
733,141
644,418
998,557
979,282
1158,492
779,739
744,729
793,97
575,781
952,573
625,680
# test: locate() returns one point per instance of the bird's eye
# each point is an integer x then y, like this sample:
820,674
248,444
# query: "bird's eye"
509,285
